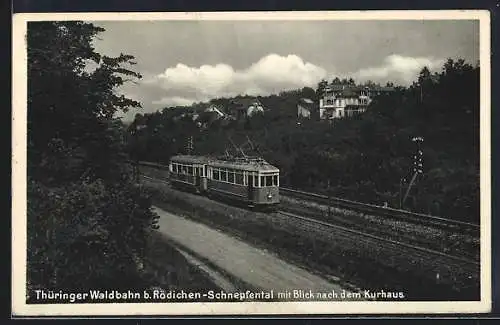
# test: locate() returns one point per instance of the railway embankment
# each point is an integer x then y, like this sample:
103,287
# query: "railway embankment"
413,232
168,268
350,260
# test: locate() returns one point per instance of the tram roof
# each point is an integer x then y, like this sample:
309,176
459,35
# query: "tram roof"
247,165
253,165
189,159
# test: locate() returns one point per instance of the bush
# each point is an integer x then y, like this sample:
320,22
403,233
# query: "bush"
86,234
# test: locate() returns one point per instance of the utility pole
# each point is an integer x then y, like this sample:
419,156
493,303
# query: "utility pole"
190,145
417,169
401,181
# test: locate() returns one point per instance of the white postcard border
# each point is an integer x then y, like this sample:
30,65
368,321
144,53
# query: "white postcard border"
19,179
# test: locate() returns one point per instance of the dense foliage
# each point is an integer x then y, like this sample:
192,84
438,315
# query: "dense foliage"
365,157
87,219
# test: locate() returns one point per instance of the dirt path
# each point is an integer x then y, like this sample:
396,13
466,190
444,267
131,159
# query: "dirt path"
258,268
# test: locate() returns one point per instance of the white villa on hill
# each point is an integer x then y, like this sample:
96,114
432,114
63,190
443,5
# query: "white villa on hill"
338,101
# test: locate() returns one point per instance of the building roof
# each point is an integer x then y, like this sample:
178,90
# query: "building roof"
350,92
384,89
245,102
307,103
214,108
353,91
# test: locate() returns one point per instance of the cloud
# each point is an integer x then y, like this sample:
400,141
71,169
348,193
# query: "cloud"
183,85
174,101
398,69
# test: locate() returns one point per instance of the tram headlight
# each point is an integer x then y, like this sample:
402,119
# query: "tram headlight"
269,196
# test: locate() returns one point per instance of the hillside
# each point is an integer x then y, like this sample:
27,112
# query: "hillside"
366,157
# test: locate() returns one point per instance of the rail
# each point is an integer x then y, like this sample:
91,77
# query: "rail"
393,213
151,164
426,251
384,211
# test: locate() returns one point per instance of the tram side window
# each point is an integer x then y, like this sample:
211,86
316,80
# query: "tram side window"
275,180
223,174
256,181
230,176
190,170
216,174
239,178
262,181
174,168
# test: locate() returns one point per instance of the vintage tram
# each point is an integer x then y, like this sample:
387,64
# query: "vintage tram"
248,180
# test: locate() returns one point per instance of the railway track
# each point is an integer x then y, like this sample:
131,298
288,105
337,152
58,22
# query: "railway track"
434,238
419,251
454,270
396,214
389,260
361,234
434,233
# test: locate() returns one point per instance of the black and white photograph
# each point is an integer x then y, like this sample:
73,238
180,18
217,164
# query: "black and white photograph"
251,163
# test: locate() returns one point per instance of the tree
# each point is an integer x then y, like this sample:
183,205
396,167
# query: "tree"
87,220
321,87
370,83
308,92
336,81
70,108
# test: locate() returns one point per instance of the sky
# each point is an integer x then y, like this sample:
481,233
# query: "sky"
183,62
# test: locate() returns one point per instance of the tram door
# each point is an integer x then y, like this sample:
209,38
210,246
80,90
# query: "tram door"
197,176
250,187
